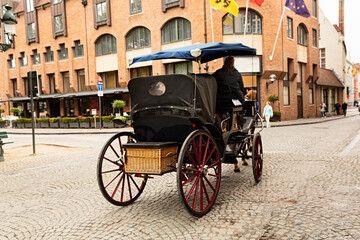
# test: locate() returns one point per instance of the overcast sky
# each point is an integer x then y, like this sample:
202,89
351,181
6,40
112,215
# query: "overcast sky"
352,22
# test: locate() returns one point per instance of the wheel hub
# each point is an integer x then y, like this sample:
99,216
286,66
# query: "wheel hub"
204,172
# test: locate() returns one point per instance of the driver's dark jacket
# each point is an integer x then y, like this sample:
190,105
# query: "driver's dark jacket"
230,85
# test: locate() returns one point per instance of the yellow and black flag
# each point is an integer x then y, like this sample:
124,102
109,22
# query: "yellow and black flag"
229,6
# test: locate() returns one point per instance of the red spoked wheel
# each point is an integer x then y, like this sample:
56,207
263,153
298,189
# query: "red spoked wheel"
199,172
117,186
257,157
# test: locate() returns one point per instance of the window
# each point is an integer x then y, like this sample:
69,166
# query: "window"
314,8
290,32
63,52
49,55
101,12
302,35
179,68
140,72
78,50
314,38
12,62
236,25
322,58
35,58
311,91
135,6
109,79
138,38
52,83
59,25
31,31
106,44
176,30
29,5
171,1
56,1
14,85
23,60
26,86
286,86
81,80
66,82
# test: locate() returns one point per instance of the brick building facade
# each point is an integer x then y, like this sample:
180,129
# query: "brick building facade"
70,43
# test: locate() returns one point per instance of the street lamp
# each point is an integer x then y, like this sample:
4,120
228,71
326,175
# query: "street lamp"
9,22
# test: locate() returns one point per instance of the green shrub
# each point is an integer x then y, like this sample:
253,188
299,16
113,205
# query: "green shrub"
276,114
43,120
23,120
117,104
73,119
84,119
125,118
273,99
107,118
64,120
2,121
15,110
54,120
2,110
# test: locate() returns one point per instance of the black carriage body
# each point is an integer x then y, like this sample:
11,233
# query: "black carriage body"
170,116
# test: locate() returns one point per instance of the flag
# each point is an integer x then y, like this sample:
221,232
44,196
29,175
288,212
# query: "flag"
229,6
228,21
298,7
257,2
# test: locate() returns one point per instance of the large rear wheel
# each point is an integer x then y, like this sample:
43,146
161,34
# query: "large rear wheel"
117,186
257,157
199,172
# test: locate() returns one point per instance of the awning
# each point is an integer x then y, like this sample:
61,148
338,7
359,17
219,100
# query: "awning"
47,96
18,99
92,93
328,78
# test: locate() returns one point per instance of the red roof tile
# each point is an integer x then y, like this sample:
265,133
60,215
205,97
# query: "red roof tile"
328,78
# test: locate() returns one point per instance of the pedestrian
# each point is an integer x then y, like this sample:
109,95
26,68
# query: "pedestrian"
337,108
344,108
267,113
323,110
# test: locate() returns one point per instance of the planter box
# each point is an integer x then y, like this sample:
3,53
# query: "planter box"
44,124
74,125
18,125
2,125
64,125
28,125
54,124
84,124
92,124
275,119
108,124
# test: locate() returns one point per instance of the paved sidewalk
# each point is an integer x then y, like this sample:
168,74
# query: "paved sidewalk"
352,112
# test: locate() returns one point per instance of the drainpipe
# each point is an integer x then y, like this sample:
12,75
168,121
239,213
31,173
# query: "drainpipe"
205,33
84,3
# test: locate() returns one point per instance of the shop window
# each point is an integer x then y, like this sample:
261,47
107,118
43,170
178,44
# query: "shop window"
106,44
179,68
69,108
139,37
236,25
135,6
140,72
178,29
66,82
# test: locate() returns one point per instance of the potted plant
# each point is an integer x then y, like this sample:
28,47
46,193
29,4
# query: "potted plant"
44,122
15,110
73,122
54,122
84,122
2,123
108,121
19,123
118,104
27,122
1,112
64,122
276,115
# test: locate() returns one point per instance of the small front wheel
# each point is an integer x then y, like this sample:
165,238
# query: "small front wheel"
257,157
199,172
117,186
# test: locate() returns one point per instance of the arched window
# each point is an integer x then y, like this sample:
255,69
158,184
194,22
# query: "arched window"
302,35
236,25
138,38
175,30
106,44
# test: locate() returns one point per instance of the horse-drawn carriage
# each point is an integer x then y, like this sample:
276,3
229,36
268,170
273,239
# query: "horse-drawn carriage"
175,130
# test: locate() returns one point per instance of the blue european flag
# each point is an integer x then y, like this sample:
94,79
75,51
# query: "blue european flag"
298,7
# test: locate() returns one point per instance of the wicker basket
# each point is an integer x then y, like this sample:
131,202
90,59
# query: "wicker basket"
150,158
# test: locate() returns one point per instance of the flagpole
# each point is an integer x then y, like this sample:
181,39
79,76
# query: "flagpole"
277,35
212,25
246,15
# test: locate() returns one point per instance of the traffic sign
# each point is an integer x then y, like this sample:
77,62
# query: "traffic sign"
100,87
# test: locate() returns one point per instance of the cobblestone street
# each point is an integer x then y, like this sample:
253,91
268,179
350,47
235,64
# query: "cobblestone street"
310,190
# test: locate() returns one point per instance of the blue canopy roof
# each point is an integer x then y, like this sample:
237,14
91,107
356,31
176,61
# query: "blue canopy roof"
209,51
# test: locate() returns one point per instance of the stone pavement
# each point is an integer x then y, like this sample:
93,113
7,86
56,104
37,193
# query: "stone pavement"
310,190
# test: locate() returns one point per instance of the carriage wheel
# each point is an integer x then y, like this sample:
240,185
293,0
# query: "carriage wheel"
198,172
117,186
257,157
